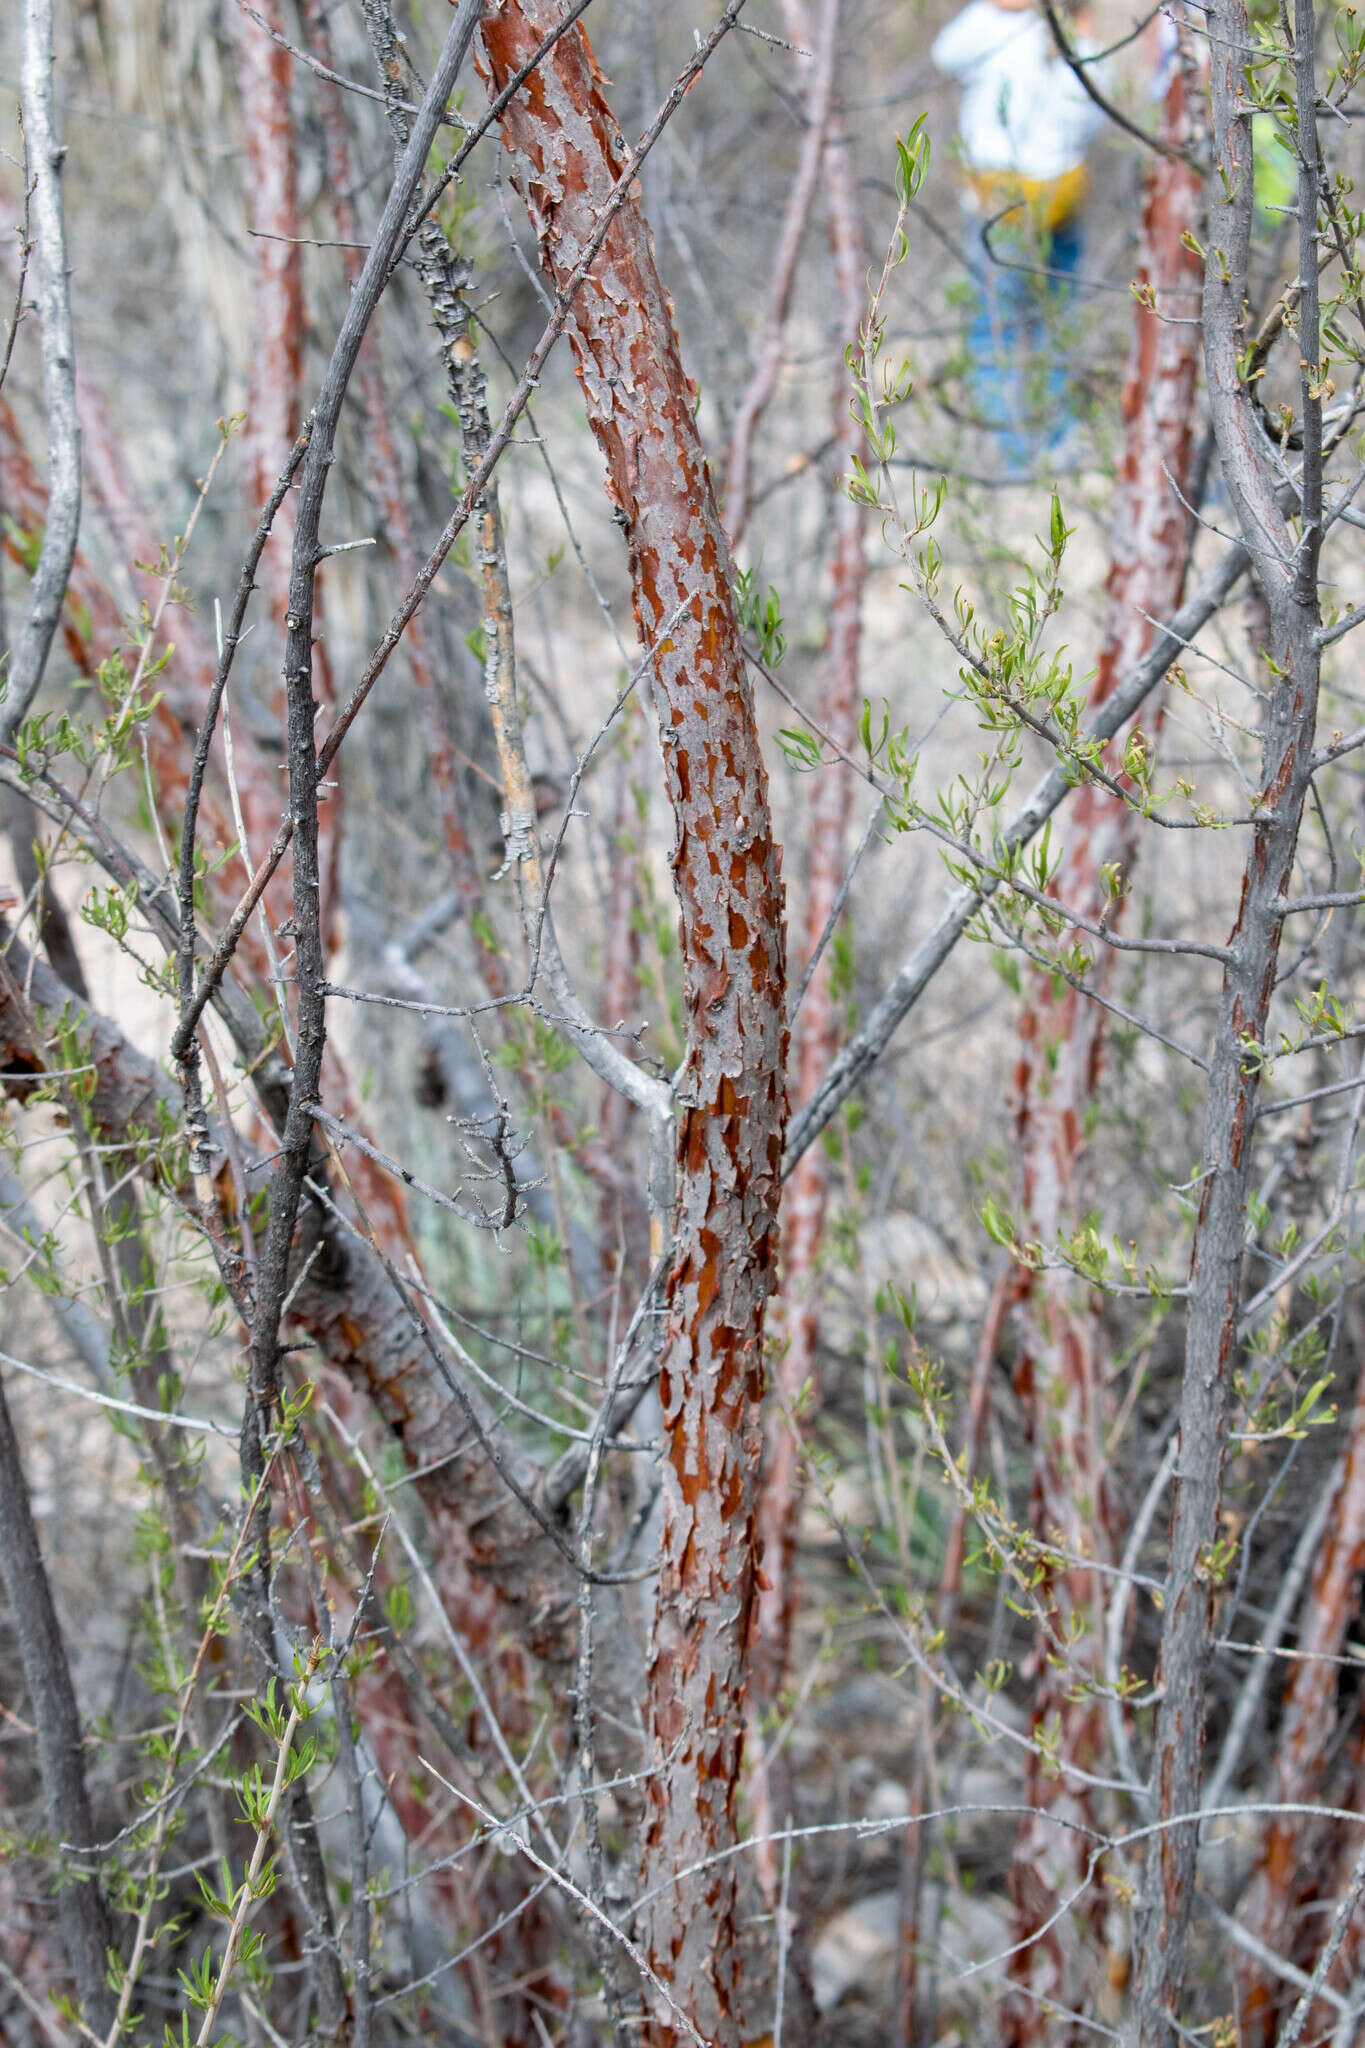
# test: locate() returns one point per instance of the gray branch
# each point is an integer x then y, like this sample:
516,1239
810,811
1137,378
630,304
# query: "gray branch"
59,374
864,1050
84,1918
78,1323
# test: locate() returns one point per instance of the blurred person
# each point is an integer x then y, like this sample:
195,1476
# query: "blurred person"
1024,126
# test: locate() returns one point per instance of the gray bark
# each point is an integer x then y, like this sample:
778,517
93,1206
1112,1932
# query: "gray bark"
59,375
86,1931
287,1181
1286,571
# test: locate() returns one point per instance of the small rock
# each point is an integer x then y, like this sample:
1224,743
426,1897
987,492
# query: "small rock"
858,1946
888,1800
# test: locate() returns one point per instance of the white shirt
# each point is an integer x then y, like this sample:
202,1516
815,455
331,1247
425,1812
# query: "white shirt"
1023,107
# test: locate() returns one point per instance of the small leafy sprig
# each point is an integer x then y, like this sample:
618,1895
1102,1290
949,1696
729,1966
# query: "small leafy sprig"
278,1718
761,615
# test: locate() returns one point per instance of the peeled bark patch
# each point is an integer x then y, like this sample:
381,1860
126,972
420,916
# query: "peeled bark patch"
568,154
1061,1371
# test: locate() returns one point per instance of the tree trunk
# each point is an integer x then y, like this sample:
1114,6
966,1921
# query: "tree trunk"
1286,567
265,73
816,1034
84,1917
1060,1371
567,153
1286,1870
498,1568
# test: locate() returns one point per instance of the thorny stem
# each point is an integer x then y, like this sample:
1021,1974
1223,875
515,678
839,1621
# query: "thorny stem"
526,386
304,766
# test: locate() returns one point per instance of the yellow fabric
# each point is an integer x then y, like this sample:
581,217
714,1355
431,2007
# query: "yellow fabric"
1050,201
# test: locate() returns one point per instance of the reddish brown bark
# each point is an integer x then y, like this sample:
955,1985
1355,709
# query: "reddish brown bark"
92,625
274,400
1059,1370
1287,1871
753,400
568,154
796,1318
265,74
498,1573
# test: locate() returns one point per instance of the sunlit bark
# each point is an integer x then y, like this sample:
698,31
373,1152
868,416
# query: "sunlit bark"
567,154
1060,1369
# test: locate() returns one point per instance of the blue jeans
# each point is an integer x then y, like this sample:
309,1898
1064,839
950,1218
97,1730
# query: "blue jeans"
1013,328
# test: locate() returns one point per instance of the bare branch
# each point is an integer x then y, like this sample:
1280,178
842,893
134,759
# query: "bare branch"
48,592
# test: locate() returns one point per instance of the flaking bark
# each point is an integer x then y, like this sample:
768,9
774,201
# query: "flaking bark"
1060,1373
816,1033
1307,1731
796,1319
498,1571
567,153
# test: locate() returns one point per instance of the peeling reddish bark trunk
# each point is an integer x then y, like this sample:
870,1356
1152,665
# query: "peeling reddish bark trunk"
796,1315
499,1574
1059,1372
753,400
274,402
92,624
568,153
1288,1871
265,75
